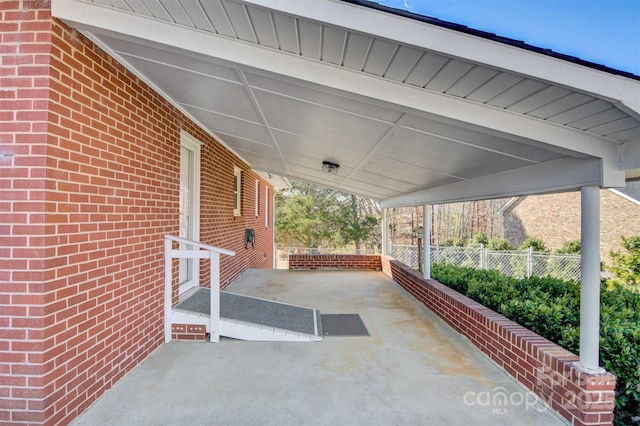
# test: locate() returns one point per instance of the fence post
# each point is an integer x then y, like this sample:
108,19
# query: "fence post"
530,262
482,266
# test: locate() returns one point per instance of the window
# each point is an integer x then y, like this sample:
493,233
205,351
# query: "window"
266,207
257,198
237,191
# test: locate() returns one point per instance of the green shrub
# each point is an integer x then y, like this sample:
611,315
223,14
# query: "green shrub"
478,239
626,264
570,247
536,243
551,308
499,244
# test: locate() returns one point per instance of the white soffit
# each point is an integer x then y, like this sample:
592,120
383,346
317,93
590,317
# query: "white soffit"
403,106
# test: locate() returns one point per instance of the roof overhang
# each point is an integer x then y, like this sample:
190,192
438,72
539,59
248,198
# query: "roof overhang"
414,113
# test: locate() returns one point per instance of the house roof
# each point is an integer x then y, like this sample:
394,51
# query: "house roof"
631,191
491,36
413,110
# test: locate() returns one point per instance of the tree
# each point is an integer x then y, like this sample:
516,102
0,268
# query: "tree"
314,216
357,222
304,217
626,264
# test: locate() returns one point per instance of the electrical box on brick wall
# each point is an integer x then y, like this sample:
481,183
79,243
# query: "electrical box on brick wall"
249,238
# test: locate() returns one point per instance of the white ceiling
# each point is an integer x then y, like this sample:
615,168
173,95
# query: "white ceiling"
406,108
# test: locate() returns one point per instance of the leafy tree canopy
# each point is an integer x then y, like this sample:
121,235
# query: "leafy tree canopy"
626,264
311,216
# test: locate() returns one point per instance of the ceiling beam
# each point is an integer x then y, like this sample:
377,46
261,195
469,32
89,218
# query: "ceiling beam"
141,29
553,176
472,48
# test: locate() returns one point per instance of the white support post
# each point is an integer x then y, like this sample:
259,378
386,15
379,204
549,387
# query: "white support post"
385,233
214,331
590,278
167,289
482,266
426,229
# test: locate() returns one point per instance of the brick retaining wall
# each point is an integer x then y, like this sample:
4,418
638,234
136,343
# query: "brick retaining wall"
335,261
540,365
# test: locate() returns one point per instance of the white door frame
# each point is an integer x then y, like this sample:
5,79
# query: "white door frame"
194,146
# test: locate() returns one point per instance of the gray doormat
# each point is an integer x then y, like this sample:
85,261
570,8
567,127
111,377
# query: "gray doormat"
343,325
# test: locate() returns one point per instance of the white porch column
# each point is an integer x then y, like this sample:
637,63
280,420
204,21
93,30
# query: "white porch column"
590,278
385,232
426,229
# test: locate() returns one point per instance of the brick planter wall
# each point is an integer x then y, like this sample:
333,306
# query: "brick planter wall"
540,365
335,261
89,185
188,332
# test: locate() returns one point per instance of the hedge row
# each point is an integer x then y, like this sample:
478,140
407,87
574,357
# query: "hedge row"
551,308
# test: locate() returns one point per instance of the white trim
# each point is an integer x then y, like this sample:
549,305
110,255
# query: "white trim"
195,146
508,205
625,196
553,176
266,207
237,191
257,200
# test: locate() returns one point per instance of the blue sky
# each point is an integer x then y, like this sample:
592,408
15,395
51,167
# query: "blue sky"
606,32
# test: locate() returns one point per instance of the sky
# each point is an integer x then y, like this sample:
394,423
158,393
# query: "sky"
606,32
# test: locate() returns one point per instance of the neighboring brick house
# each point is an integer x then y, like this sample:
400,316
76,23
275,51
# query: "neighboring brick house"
90,182
555,218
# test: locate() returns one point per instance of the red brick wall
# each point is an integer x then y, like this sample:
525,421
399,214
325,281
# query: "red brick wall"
188,332
540,365
89,176
334,261
556,218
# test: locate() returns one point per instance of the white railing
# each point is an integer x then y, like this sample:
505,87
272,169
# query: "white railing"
516,263
197,251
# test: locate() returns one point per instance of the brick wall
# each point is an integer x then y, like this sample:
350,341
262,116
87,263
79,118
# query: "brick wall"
89,177
540,365
190,332
555,218
334,261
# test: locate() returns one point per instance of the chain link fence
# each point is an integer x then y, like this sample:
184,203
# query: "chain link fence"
516,263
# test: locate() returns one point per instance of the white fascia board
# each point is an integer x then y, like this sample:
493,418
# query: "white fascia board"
464,46
625,196
108,21
507,206
277,181
553,176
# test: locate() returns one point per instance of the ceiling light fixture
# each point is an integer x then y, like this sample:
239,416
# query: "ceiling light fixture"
329,167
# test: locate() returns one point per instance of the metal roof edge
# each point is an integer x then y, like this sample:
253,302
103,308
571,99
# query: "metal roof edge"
625,196
491,36
510,205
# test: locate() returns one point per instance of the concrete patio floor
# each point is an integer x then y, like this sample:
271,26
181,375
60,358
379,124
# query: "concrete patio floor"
412,370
